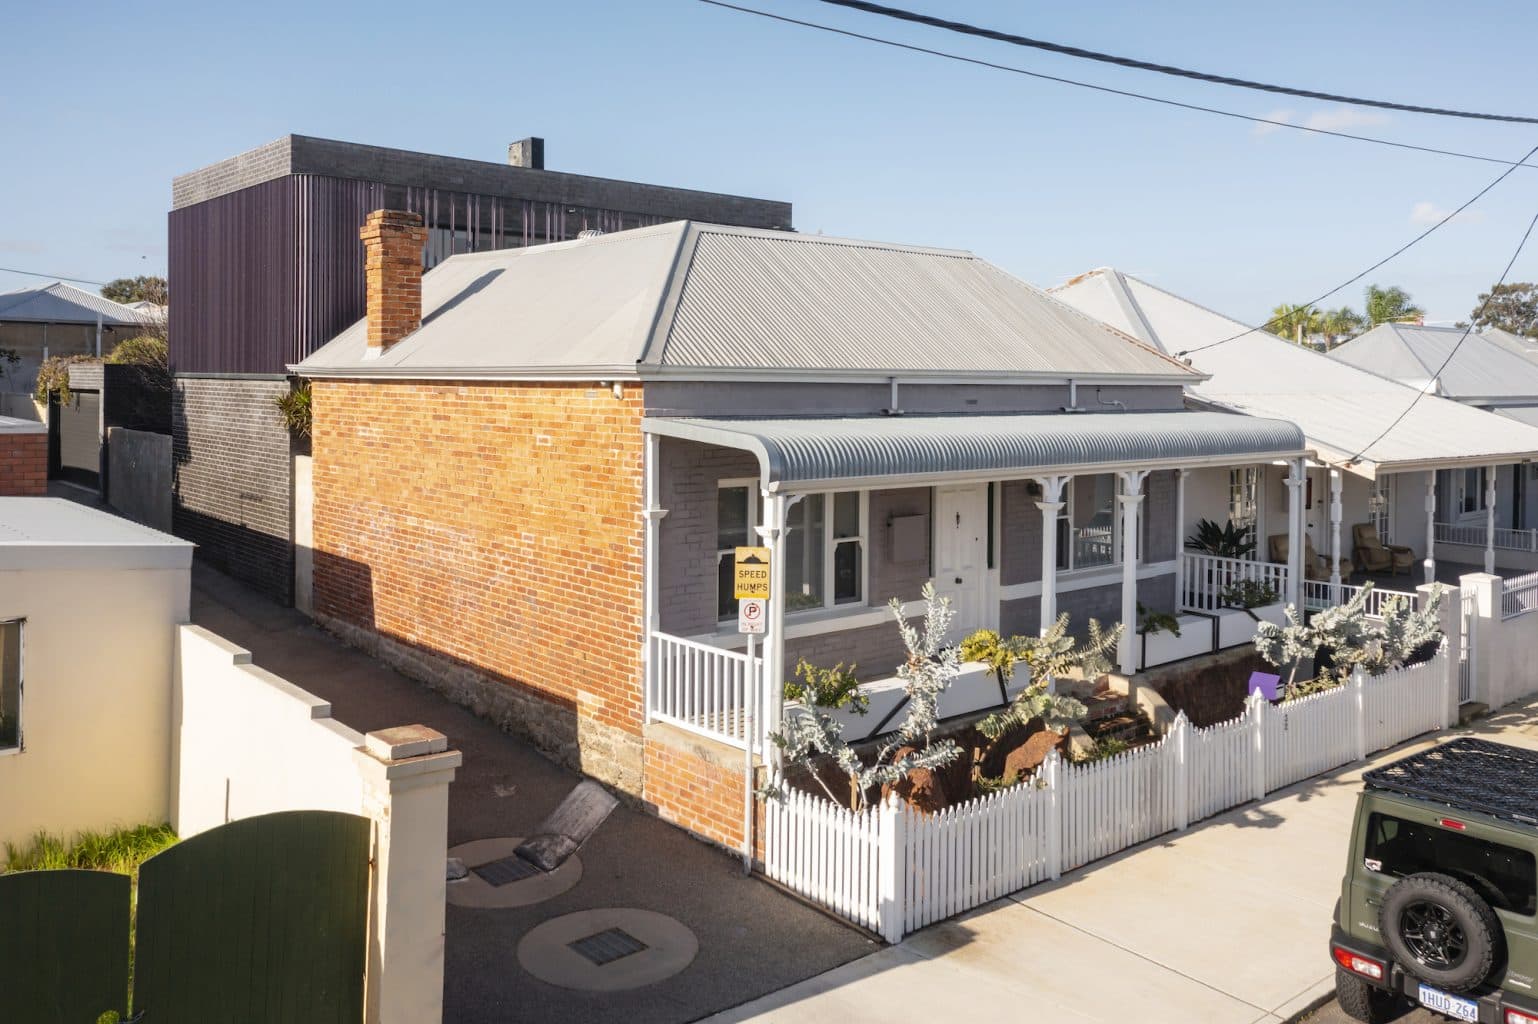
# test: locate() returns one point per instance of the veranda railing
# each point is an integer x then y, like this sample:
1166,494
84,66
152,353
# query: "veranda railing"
1473,535
1204,578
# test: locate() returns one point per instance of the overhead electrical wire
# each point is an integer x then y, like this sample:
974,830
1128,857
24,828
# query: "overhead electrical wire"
1426,389
1162,69
1127,93
1357,277
56,277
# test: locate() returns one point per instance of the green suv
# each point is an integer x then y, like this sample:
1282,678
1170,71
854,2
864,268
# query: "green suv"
1441,888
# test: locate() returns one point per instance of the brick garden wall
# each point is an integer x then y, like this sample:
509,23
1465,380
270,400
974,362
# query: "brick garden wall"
487,539
23,464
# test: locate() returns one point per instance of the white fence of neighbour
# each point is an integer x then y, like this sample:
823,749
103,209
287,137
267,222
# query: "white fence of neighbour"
1519,595
1473,535
1203,578
894,869
1320,594
1468,643
701,688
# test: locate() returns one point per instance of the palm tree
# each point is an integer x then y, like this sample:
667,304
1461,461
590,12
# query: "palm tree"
1390,305
1295,322
1335,324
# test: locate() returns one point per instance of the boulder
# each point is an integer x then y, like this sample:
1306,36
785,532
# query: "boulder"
923,789
1025,759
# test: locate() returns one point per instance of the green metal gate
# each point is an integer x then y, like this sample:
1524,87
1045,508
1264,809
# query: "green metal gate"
263,919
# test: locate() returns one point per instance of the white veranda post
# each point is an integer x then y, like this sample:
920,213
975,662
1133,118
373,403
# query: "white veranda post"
1490,520
1297,480
1131,500
1336,485
1051,504
771,690
652,516
1431,526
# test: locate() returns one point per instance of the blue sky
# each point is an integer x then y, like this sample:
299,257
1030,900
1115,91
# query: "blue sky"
100,109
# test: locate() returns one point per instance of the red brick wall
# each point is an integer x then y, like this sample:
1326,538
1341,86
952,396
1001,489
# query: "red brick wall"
489,537
23,465
697,784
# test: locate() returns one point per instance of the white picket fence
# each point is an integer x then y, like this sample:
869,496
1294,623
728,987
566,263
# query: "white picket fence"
894,869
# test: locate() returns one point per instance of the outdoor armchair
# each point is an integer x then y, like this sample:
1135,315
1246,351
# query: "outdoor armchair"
1315,565
1377,556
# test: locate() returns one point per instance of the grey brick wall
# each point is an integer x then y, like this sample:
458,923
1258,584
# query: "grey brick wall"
1159,526
232,475
888,578
875,651
1019,536
689,475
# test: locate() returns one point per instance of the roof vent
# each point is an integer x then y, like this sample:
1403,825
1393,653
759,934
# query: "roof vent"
589,233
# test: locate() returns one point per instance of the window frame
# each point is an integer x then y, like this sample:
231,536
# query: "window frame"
1065,514
1244,493
21,685
830,545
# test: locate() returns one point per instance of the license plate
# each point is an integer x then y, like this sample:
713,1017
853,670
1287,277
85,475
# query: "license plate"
1454,1006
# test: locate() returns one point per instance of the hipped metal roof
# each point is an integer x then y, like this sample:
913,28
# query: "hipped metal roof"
53,534
1342,409
806,453
700,301
61,303
1478,369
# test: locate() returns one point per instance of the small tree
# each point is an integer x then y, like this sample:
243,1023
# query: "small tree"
930,667
1350,638
1228,540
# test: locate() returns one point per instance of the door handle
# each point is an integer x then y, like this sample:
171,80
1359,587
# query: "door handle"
958,579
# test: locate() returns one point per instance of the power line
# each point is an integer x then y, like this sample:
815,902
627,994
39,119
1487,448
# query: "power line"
1163,69
1354,279
1129,94
56,277
1461,339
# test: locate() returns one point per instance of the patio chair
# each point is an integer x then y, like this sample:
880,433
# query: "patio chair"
1377,556
1315,565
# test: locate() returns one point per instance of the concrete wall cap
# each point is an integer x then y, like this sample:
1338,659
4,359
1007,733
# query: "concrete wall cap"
405,741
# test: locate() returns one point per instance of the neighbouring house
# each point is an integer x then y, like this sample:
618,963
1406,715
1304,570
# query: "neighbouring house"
1489,506
266,266
56,319
531,469
1382,456
23,457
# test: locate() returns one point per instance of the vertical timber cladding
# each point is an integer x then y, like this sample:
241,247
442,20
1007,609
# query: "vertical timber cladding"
232,479
486,538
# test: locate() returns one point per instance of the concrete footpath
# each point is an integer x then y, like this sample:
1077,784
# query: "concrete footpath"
1227,922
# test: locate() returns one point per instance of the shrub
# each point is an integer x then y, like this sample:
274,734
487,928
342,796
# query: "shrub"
1226,541
1249,594
141,351
53,377
294,409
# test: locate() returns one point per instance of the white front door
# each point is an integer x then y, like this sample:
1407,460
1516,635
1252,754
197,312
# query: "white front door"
961,554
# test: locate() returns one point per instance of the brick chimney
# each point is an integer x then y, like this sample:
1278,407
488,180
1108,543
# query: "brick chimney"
392,272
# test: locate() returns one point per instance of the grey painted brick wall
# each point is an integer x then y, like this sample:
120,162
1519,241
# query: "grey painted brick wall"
1020,535
890,578
1160,528
688,477
874,651
232,475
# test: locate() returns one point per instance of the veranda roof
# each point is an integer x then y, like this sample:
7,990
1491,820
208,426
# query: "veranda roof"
807,453
1354,418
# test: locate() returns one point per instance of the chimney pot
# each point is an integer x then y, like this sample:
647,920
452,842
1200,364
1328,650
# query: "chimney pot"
392,270
529,152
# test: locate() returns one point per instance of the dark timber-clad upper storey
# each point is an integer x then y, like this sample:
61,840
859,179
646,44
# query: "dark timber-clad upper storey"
264,251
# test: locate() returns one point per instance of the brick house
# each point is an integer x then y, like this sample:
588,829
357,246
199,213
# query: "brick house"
530,500
267,266
23,458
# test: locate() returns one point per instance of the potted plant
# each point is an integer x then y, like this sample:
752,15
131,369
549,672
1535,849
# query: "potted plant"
1164,639
1246,604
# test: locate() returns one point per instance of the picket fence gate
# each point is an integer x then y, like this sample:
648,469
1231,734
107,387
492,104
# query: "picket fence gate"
893,869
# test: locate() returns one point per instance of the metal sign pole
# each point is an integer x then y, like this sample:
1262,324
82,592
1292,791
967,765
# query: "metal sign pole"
748,694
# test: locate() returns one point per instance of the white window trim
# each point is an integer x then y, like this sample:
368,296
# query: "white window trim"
751,483
1460,481
21,687
1248,480
1066,513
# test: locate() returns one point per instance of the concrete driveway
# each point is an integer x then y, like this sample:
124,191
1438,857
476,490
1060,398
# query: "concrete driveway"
1226,923
752,938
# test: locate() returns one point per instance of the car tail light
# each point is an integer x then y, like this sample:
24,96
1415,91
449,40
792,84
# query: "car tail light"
1357,964
1450,823
1518,1017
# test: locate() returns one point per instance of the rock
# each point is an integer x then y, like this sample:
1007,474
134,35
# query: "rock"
1023,761
923,789
456,870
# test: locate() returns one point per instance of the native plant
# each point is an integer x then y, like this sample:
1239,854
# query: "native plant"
1350,638
808,738
1150,621
294,409
1249,594
830,688
1227,541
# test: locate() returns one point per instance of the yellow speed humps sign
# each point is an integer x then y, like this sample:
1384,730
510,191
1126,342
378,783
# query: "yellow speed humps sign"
752,573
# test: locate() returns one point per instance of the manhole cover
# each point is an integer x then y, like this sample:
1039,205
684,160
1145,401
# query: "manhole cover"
608,946
509,869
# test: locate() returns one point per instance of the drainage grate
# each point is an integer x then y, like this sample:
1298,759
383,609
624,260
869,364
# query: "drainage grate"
508,869
608,946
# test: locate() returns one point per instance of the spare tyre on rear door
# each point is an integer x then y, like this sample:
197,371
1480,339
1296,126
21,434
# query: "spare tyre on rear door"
1441,931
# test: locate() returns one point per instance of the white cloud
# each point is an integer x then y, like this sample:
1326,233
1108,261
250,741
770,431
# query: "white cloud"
1285,116
1427,212
1341,118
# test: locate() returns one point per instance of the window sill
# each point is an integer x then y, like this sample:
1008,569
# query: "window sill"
815,623
10,751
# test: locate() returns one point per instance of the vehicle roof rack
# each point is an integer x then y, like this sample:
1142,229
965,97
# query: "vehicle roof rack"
1469,774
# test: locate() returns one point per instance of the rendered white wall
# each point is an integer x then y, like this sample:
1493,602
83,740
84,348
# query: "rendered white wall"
96,699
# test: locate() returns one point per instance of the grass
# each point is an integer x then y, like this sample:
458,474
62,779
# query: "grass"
121,850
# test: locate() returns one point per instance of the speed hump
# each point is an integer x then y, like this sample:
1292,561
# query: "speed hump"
752,575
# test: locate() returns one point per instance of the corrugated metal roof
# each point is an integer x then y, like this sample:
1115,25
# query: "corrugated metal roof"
1340,407
815,451
51,533
681,298
1521,413
61,303
1481,369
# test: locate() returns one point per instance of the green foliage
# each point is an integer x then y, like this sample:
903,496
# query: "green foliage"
121,850
1055,711
1149,621
294,409
1390,305
1102,749
1510,307
142,350
53,377
797,602
930,668
1249,594
1351,638
832,688
144,288
1227,541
